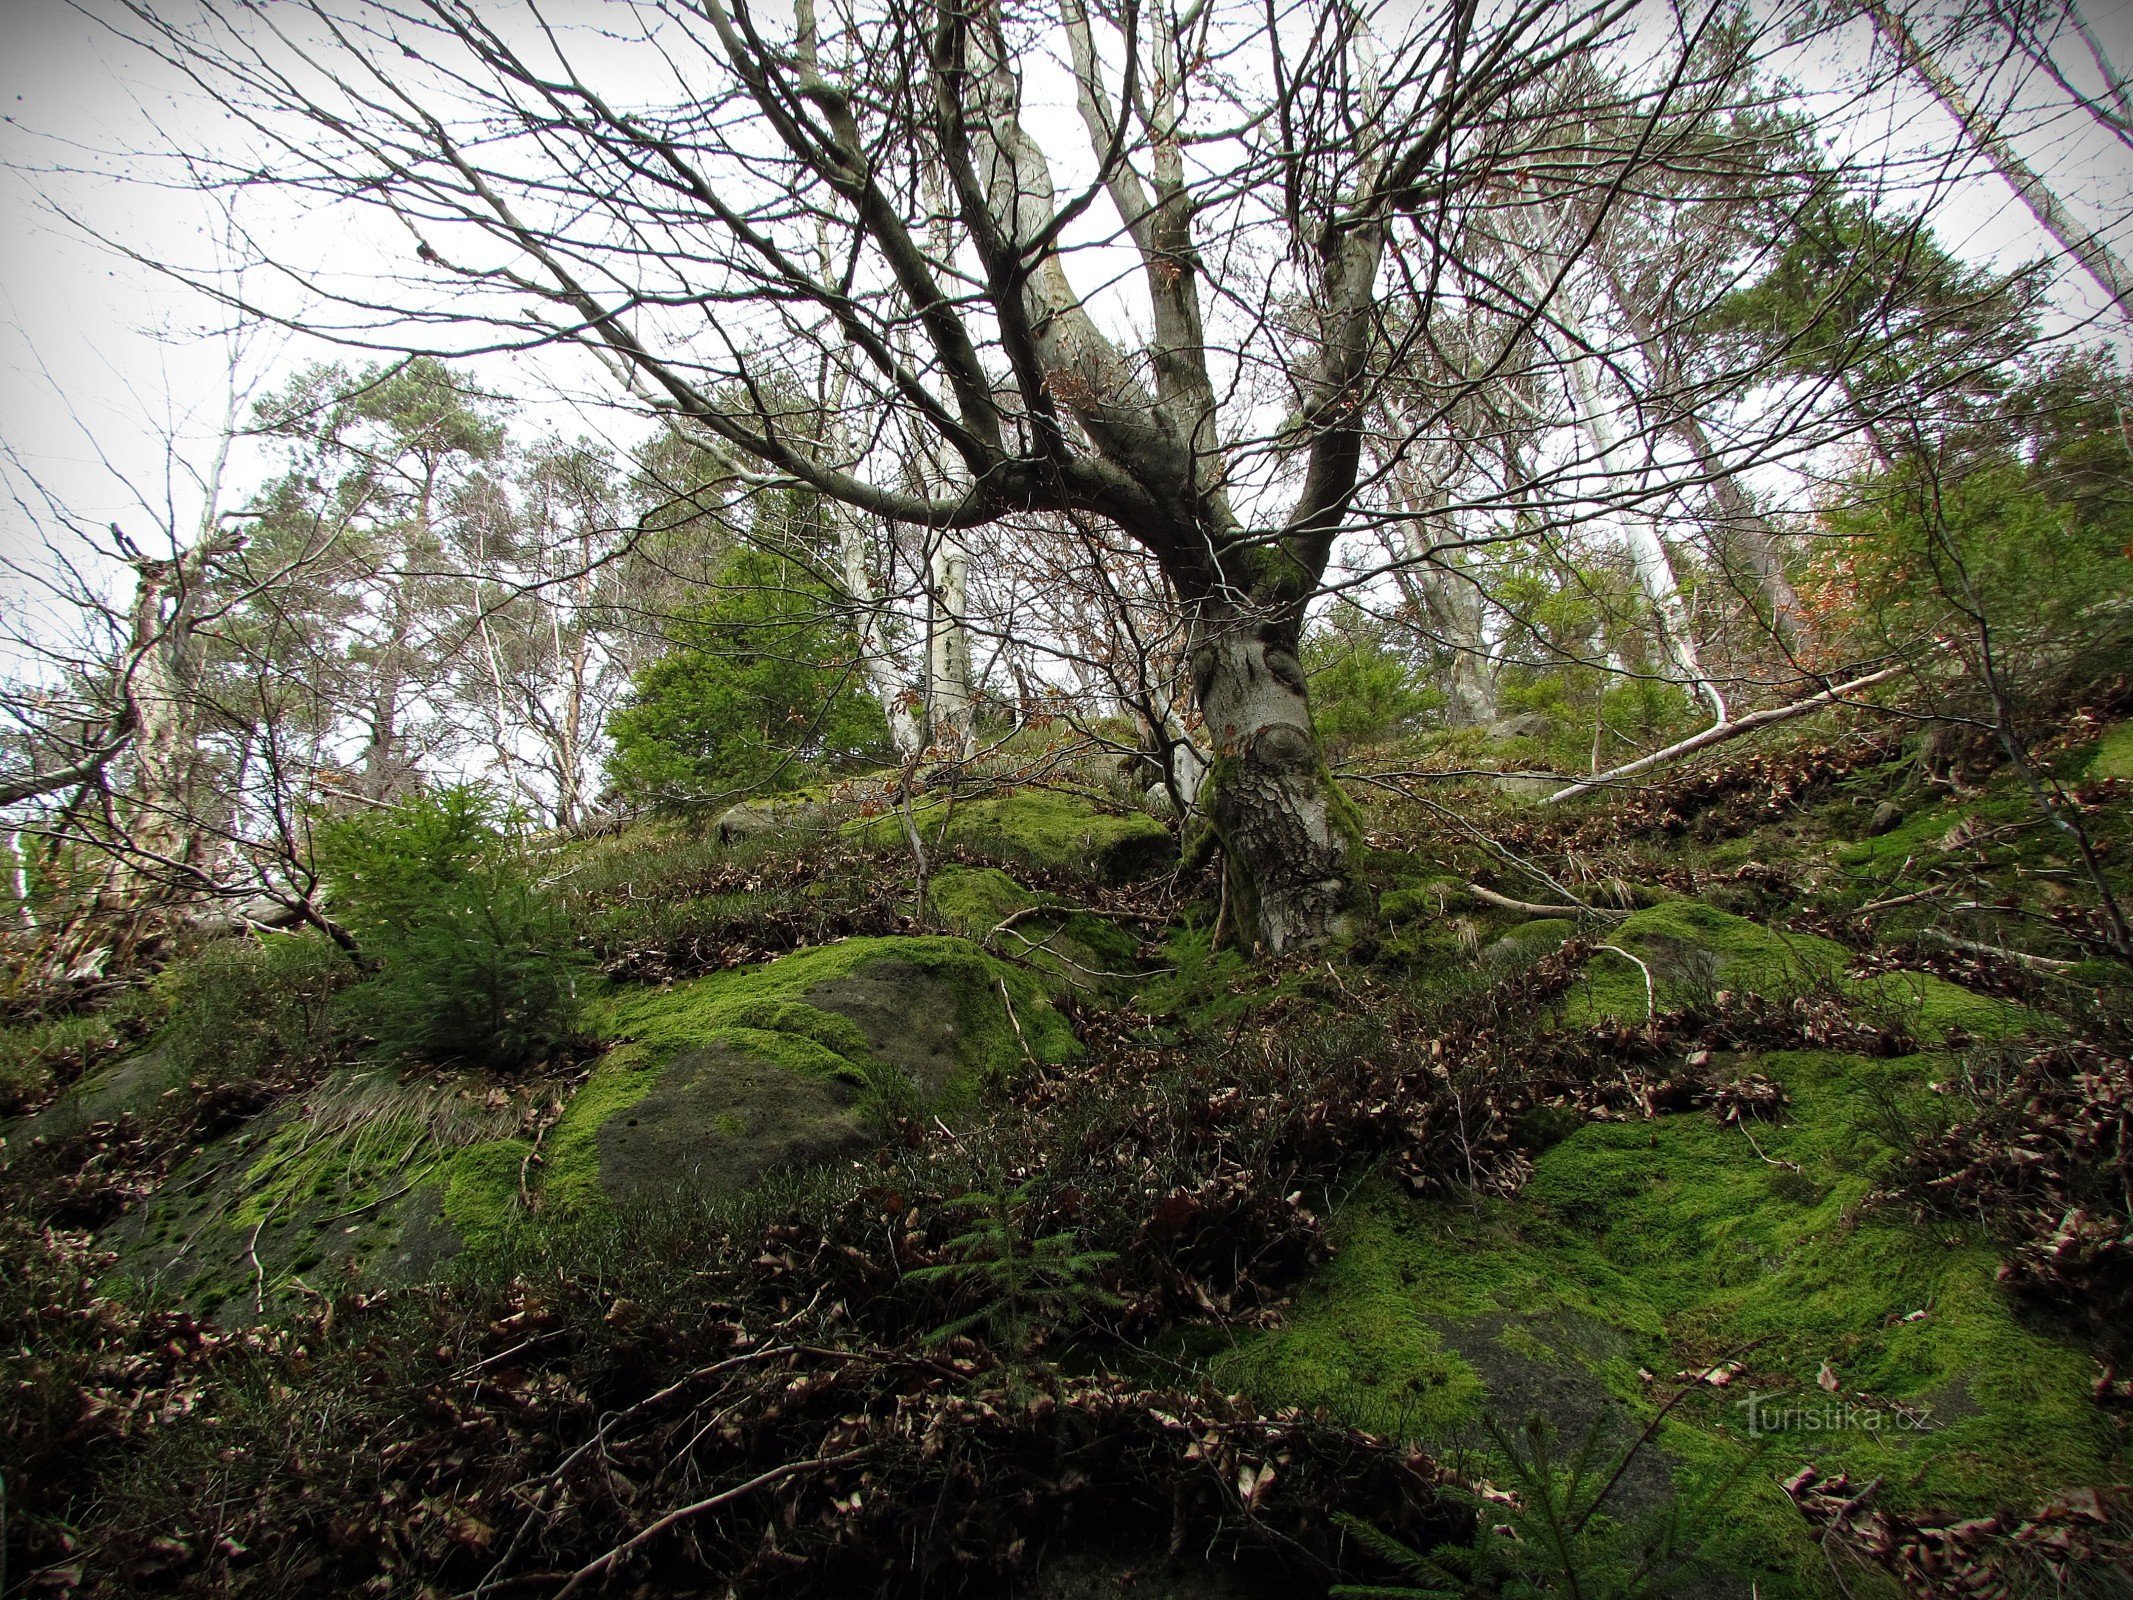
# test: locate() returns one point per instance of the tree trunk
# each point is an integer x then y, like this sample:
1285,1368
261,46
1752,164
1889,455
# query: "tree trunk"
163,701
2085,245
1292,843
951,722
1745,530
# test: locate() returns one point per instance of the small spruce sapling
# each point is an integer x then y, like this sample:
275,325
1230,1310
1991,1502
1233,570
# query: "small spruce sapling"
1553,1538
1019,1277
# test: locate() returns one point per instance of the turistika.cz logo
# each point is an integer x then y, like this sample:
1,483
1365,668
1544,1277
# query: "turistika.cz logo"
1769,1413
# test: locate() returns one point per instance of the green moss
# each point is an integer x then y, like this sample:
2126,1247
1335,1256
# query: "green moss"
1918,838
480,1189
804,1014
973,901
34,1053
1692,950
1035,828
775,999
1406,905
2114,754
570,1181
1667,1245
303,1172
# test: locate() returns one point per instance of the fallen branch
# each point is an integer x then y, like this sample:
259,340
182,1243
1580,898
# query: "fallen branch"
629,1547
1534,909
1720,732
2020,958
1651,990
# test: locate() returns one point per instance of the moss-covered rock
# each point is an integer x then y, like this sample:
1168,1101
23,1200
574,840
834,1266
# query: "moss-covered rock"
1037,828
972,901
1072,948
131,1086
347,1182
1690,950
721,1079
1643,1250
714,1083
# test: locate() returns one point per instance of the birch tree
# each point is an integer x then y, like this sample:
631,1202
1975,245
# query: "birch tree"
2086,246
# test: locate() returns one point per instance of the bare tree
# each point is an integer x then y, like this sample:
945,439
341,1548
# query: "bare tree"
677,233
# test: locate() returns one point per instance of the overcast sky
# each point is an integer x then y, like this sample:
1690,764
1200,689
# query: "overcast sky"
101,360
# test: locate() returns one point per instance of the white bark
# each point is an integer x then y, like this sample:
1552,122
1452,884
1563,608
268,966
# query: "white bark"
1721,731
1450,609
1745,527
21,865
2085,245
949,711
2113,80
887,684
1648,554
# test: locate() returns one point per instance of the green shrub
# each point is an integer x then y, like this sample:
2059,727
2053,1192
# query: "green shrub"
1364,690
243,1006
2020,527
757,691
474,962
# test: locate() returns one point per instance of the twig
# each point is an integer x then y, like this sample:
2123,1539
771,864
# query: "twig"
1897,900
2021,958
629,1547
251,1254
1789,1166
495,1580
1000,983
1651,993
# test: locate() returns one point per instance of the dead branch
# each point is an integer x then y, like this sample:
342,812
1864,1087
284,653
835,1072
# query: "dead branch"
1719,733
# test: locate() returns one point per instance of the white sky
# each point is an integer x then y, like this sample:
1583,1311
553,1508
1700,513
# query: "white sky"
101,360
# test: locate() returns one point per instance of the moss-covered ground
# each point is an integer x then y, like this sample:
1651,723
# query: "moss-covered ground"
1640,1252
1034,828
778,1009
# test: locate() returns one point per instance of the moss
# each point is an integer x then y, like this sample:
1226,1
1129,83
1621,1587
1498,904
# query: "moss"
570,1180
1406,905
302,1171
866,1013
2114,754
778,998
1035,828
1918,838
973,901
480,1189
1691,950
1666,1245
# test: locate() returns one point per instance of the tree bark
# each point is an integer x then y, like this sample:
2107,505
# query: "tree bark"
1292,843
163,707
951,723
2085,245
1745,529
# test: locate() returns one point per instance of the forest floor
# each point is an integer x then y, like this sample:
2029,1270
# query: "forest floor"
1737,1218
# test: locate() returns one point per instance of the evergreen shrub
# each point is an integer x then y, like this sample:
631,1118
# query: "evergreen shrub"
474,963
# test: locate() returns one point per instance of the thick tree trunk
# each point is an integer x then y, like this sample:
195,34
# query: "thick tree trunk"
166,825
1292,843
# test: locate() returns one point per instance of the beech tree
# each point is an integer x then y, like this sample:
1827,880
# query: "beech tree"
1179,337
